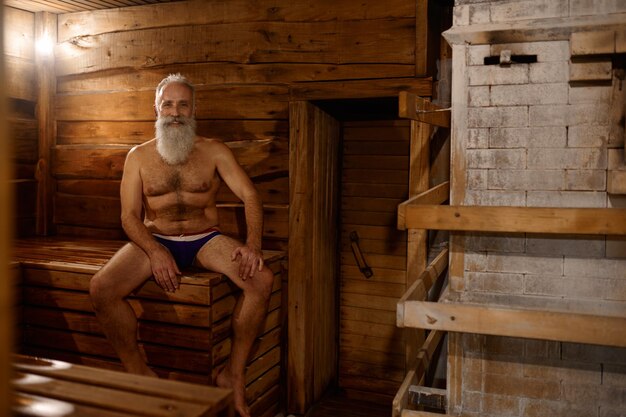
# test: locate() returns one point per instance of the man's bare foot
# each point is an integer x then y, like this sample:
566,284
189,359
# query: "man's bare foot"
225,379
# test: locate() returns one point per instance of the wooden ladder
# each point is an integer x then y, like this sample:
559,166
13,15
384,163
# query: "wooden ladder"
425,116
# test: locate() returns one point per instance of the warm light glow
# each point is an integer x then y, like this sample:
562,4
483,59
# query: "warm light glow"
40,406
44,46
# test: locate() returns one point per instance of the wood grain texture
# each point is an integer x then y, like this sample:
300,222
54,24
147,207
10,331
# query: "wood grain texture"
229,11
555,325
314,185
598,221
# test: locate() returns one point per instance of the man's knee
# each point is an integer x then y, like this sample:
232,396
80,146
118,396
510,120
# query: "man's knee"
263,281
100,291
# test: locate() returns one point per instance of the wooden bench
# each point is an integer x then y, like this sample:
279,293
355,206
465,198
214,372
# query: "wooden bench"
46,388
184,335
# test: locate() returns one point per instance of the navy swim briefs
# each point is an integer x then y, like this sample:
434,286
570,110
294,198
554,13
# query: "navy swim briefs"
184,248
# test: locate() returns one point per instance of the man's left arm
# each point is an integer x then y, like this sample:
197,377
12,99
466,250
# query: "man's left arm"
238,181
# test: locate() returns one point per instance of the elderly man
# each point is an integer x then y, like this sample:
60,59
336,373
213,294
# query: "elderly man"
169,213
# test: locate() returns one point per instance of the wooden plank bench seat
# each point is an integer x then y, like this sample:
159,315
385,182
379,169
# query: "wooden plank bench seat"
46,388
184,335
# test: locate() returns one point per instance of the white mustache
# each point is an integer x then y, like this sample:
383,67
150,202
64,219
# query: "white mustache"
176,119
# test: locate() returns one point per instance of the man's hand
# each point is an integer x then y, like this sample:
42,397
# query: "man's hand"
251,260
164,268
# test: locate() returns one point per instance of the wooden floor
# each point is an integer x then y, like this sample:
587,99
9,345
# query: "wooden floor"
337,404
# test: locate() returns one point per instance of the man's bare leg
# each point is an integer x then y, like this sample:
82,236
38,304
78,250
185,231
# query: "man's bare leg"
108,289
248,315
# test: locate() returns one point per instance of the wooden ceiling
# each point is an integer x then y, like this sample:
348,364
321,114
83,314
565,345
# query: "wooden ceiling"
69,6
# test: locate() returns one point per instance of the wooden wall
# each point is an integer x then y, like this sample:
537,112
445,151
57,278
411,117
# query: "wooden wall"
245,57
19,61
375,180
249,60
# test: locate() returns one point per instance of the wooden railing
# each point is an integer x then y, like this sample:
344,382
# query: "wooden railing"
423,212
421,278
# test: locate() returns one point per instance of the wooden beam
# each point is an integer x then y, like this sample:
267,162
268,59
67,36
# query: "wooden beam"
434,196
401,400
351,89
412,106
557,28
421,38
594,221
420,288
534,324
415,413
45,27
417,240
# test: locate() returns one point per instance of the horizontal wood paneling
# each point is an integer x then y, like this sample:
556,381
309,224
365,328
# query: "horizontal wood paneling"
19,33
374,182
210,73
219,102
386,41
20,78
119,132
228,11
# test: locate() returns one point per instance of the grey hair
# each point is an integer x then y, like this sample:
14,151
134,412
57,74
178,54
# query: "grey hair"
175,78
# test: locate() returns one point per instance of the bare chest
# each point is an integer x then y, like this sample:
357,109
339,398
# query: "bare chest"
162,180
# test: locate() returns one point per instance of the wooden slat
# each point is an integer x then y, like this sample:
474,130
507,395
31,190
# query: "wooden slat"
361,89
536,324
415,413
418,291
19,33
136,132
611,221
212,73
414,107
92,392
213,102
20,78
257,42
28,405
202,13
218,397
434,196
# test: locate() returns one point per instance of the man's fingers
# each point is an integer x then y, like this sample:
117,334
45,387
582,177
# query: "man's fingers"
261,264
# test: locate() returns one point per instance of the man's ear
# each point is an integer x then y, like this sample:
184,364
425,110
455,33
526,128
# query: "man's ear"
156,112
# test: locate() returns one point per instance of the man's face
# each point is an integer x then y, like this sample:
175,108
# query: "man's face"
175,125
176,101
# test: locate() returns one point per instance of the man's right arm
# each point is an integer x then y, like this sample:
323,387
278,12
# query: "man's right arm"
163,266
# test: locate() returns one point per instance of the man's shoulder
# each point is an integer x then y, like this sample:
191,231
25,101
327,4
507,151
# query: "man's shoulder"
212,144
142,148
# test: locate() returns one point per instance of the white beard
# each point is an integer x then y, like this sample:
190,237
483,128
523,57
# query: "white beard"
174,143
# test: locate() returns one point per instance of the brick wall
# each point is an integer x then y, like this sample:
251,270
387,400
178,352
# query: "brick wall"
536,139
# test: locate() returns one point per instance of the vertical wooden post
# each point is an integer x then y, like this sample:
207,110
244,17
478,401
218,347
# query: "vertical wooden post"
458,181
45,27
313,210
6,231
421,38
417,239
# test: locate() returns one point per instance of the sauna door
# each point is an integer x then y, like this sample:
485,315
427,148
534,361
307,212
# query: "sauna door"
313,208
